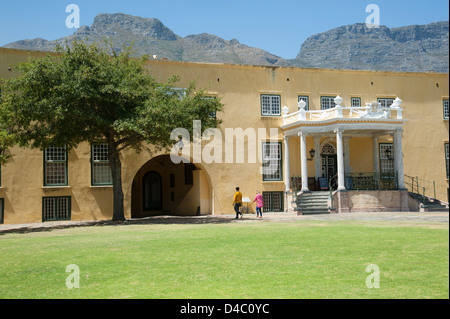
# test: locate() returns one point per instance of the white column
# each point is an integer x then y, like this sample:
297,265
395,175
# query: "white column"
317,158
347,154
304,162
287,171
398,158
376,156
340,160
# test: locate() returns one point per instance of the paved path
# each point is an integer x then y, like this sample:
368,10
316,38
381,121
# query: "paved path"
416,217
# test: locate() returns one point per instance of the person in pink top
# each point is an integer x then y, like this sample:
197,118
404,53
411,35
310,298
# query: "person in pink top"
259,204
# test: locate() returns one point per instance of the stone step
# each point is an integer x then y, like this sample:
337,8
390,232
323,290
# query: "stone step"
437,208
312,211
313,206
316,194
312,199
313,203
315,212
428,200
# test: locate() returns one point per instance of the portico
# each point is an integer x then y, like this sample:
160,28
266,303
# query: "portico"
346,147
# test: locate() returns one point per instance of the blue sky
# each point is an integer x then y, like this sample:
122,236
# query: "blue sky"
279,27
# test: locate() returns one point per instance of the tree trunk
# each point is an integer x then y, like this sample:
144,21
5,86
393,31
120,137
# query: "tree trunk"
116,173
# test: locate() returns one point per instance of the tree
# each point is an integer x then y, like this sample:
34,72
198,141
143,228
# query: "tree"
90,92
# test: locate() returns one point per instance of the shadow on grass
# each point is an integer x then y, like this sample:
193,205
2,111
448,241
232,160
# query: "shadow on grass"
154,220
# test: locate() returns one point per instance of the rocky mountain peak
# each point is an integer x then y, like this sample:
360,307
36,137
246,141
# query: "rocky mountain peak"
119,23
416,48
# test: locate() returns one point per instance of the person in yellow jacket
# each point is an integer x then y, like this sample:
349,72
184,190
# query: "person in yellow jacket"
237,202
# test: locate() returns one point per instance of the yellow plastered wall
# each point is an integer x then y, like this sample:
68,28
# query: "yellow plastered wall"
240,88
361,154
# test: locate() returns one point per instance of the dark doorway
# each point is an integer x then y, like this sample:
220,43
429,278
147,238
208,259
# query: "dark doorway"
329,162
329,165
152,186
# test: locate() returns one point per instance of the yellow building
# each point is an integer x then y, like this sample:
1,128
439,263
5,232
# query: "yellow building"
286,132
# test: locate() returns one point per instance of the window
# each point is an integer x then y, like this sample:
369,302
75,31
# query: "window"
327,102
55,166
356,102
179,92
2,207
385,102
188,174
386,158
271,161
101,170
306,99
273,201
213,114
446,160
172,180
56,208
446,108
270,105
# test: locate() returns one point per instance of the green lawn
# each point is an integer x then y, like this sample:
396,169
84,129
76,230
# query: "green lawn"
301,259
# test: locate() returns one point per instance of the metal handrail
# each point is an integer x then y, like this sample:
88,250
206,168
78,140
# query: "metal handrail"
372,181
417,186
331,184
413,183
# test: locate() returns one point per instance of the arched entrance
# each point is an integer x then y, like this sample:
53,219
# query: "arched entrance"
162,187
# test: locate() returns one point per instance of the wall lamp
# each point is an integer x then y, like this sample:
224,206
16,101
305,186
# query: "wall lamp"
179,145
312,152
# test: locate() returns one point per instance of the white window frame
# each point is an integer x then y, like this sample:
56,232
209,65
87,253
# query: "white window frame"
445,106
385,102
272,169
270,105
447,164
306,99
100,166
327,102
355,102
55,166
386,164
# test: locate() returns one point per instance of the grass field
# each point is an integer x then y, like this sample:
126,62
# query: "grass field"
277,260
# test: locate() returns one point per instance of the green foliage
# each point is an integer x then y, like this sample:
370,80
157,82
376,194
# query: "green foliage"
89,92
6,140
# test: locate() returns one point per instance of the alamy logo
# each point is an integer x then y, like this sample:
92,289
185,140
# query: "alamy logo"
373,280
73,19
237,146
73,280
373,19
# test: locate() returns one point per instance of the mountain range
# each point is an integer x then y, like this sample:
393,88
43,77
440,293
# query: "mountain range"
417,48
